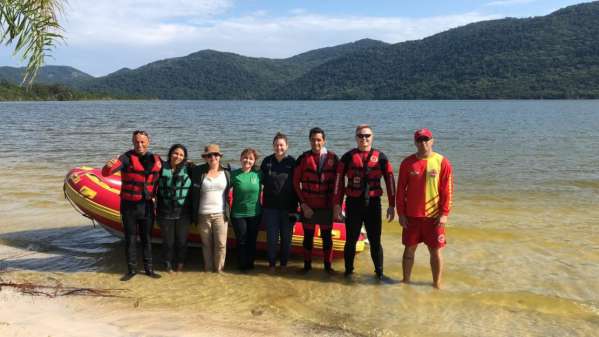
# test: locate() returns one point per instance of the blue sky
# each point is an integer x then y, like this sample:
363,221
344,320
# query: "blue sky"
102,36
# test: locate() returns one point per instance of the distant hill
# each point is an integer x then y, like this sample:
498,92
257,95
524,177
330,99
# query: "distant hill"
210,74
46,75
555,56
44,92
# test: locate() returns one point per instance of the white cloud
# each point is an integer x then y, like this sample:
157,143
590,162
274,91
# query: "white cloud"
509,2
139,32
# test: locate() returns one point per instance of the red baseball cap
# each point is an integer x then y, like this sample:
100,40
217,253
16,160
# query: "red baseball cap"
421,133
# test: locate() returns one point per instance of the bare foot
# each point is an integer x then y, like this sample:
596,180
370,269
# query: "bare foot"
437,286
405,281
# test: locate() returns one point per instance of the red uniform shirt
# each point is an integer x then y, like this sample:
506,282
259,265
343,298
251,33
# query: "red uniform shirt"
424,187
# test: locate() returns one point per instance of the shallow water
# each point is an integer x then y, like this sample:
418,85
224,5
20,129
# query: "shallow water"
523,251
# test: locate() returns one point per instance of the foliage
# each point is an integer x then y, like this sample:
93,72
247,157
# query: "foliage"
33,25
41,92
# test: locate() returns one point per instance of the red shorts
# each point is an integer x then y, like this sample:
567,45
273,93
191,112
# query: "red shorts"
423,230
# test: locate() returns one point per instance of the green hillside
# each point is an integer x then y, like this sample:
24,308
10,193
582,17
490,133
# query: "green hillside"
211,74
555,56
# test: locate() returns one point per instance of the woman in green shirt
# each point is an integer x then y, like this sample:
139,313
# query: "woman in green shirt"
245,211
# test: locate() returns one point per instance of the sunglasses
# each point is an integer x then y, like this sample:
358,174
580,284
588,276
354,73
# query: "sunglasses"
211,154
422,139
363,135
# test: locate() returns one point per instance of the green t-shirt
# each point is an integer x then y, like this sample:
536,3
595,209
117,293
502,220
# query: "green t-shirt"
246,193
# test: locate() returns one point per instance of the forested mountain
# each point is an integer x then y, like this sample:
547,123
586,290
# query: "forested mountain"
555,56
210,74
46,75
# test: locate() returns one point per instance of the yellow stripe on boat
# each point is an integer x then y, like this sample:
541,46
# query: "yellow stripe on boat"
91,206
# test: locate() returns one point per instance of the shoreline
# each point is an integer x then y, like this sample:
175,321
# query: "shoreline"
77,315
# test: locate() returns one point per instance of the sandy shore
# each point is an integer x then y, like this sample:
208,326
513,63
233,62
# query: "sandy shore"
39,316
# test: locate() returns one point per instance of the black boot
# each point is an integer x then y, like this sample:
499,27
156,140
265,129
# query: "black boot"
129,275
379,274
151,273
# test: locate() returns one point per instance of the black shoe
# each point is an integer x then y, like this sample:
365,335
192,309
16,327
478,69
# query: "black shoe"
307,265
129,275
379,275
328,268
348,272
151,273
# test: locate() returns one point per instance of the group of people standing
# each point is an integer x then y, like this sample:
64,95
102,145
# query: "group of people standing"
177,193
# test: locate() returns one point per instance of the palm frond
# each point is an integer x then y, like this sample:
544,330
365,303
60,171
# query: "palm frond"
33,24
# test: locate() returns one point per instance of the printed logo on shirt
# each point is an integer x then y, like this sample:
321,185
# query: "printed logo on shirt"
254,180
432,173
374,159
414,173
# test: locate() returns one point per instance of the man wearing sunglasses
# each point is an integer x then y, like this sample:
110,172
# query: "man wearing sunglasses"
364,167
140,170
424,196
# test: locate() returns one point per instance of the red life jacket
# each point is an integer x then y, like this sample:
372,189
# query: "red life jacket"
136,181
318,186
354,169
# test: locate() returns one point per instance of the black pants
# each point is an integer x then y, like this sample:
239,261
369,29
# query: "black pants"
174,239
246,232
324,218
138,218
356,214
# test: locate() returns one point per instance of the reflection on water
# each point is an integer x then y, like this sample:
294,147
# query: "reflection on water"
523,250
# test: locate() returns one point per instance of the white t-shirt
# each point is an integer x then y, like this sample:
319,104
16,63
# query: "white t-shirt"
212,196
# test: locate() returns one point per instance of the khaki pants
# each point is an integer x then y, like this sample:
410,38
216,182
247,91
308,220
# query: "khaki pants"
213,232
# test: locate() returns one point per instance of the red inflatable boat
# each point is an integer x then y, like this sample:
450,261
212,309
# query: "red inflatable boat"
97,197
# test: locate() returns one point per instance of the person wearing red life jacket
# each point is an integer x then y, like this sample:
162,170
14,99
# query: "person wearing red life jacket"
140,170
364,167
424,197
313,181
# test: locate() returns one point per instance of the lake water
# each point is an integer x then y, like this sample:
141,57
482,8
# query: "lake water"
523,245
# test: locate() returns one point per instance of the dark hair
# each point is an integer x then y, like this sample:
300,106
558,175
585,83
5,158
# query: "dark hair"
178,146
280,136
316,130
140,132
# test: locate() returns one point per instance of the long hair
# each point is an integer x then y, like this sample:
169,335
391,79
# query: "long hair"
172,149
